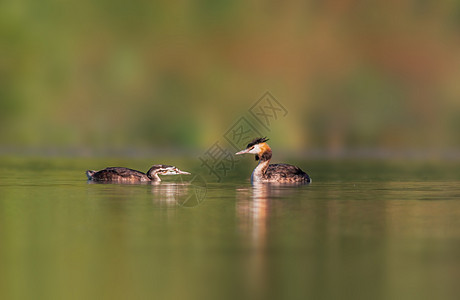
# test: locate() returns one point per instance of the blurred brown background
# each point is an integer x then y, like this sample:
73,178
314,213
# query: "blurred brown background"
352,74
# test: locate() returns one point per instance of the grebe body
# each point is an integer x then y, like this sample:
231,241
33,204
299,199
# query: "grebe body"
265,172
126,175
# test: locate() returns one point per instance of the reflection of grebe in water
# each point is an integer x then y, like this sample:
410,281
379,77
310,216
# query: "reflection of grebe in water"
168,194
125,175
264,172
253,207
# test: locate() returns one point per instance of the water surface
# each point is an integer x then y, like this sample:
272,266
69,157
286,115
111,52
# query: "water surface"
361,230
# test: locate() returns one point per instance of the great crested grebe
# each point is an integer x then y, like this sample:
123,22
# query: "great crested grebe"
125,175
264,172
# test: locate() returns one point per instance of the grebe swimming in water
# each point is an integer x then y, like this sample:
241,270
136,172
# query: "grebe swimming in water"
264,172
125,175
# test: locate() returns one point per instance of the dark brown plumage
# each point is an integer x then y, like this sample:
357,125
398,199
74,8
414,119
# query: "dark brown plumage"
257,141
126,175
118,174
285,173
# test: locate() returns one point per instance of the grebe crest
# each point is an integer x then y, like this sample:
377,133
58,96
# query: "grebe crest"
266,172
126,175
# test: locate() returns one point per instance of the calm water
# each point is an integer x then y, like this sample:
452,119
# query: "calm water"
361,230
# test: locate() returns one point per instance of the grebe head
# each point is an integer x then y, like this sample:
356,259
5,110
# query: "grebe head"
257,147
164,170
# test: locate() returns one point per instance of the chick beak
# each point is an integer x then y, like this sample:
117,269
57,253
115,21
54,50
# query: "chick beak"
182,172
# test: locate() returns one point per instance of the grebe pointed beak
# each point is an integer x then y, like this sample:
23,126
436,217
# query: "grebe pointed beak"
174,171
243,151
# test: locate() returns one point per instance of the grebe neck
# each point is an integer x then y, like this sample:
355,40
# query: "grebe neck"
153,176
264,160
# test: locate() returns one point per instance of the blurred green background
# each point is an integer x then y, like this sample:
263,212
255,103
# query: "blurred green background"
352,74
